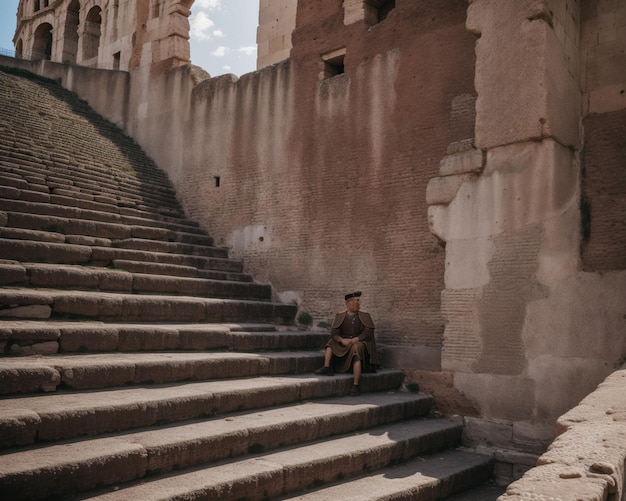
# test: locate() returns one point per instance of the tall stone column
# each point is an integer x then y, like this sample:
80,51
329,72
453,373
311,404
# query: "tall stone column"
507,208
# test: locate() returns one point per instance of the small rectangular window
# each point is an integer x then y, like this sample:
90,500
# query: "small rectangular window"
334,63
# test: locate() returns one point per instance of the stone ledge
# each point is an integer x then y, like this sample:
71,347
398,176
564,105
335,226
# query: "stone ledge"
586,461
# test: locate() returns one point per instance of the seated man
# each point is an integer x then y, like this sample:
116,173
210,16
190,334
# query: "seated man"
352,345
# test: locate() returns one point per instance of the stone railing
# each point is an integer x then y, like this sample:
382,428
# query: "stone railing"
587,459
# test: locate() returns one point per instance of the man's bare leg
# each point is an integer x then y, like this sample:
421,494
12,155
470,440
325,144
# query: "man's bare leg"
356,371
327,370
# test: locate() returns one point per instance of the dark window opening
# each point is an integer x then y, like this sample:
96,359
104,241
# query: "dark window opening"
42,45
217,181
386,7
116,60
334,63
379,9
37,5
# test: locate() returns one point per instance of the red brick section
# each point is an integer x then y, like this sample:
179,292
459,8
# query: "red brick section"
604,192
382,207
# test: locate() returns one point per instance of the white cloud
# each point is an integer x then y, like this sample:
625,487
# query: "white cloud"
200,25
248,51
221,51
218,34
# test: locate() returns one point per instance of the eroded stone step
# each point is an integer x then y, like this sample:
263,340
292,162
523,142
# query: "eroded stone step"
58,416
178,270
27,337
113,280
270,475
88,252
72,190
437,476
32,187
95,371
121,205
27,162
21,225
38,473
58,304
21,208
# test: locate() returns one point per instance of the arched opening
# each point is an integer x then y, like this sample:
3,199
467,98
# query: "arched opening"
70,34
42,47
91,34
19,47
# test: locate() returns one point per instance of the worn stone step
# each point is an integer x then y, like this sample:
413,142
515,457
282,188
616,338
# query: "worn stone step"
292,469
28,163
27,337
108,198
177,270
27,303
26,214
123,206
105,279
87,253
95,371
437,476
170,247
58,416
38,473
33,187
34,227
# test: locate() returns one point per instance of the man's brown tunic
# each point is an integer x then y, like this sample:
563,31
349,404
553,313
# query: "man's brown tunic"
349,326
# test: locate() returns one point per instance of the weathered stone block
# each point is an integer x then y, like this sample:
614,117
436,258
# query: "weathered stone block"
462,163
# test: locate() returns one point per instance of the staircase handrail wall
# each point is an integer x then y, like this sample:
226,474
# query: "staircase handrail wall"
589,453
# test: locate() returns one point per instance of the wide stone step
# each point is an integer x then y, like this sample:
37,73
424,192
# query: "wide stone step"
55,217
22,182
31,186
37,170
58,304
41,193
38,473
292,469
28,337
104,279
58,416
95,371
95,255
178,270
437,476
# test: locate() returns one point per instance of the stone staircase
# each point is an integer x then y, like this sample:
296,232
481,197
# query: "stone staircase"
141,362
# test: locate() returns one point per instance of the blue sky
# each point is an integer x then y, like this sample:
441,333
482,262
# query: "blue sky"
223,34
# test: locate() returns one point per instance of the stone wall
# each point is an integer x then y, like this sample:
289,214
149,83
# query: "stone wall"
435,160
277,20
112,34
586,461
523,320
319,184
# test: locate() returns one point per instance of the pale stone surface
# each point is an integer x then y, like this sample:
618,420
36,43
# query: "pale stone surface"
462,163
467,262
510,398
586,461
518,54
442,190
511,193
277,19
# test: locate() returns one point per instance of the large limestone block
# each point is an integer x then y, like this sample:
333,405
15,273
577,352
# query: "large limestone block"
509,397
522,184
525,90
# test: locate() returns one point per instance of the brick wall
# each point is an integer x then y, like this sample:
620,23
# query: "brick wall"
322,182
604,192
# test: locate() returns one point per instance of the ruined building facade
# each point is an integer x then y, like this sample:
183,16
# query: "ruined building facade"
460,162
